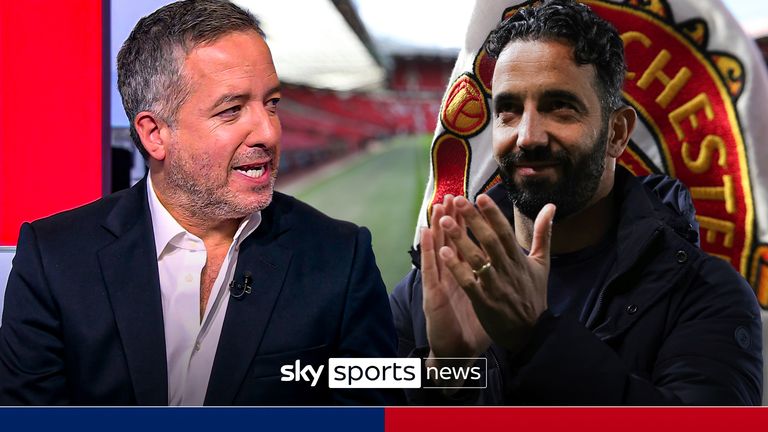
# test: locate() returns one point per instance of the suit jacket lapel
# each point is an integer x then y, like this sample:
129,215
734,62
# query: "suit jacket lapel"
129,268
247,317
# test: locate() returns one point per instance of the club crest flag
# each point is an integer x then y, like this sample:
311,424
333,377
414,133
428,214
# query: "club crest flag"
700,88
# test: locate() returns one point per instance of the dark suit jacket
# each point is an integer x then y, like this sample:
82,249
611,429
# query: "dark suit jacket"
83,321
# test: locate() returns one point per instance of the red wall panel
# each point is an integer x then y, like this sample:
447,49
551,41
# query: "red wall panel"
51,113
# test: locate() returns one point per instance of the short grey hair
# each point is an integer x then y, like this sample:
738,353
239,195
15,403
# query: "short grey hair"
150,62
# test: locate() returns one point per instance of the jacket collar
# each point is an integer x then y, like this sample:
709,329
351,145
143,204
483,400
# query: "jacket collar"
129,268
638,223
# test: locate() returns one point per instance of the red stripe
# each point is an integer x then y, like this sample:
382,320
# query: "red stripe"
50,109
574,419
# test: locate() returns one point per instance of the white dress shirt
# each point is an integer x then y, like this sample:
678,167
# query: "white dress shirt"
190,344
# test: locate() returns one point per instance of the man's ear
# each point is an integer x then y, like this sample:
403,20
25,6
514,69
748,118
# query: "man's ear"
152,132
620,127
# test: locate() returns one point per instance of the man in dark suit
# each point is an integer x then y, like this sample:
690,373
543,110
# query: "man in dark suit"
198,285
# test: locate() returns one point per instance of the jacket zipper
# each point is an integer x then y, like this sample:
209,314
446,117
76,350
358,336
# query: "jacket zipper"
601,296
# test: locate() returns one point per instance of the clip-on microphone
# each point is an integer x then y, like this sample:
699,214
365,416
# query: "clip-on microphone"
238,290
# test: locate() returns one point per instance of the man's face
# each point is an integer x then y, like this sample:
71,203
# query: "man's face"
222,158
549,137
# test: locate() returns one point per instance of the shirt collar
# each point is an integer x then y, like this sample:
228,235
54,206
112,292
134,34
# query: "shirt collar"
168,230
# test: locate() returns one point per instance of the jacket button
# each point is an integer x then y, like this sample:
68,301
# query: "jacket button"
742,337
631,309
681,256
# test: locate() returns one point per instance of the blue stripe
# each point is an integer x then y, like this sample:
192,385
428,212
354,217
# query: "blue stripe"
191,419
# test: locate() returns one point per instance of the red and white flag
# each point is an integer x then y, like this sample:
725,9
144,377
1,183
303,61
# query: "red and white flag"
700,87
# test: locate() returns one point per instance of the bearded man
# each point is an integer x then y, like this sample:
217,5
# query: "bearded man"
578,284
199,284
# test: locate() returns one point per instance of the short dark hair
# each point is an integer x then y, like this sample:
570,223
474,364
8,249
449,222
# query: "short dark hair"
150,62
594,40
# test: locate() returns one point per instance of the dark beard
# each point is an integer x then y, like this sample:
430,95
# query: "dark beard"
570,194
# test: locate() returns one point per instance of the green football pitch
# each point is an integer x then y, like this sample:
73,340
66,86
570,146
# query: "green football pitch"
381,190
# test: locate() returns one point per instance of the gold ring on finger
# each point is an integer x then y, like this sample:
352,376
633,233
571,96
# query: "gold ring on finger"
484,268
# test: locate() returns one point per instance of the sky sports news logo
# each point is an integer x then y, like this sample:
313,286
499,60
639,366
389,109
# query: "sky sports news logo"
356,373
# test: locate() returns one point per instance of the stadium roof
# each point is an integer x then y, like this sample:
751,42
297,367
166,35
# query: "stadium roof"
314,44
